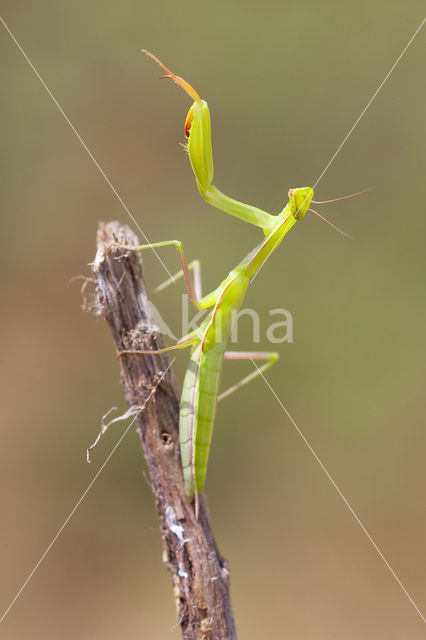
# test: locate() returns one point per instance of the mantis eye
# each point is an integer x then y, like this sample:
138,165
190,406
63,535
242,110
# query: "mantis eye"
189,119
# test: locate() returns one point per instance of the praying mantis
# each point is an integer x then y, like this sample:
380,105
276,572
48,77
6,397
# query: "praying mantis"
200,392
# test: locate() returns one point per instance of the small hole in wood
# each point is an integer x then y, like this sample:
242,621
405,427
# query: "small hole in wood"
166,438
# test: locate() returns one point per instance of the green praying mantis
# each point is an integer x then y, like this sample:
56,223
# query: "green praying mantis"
200,392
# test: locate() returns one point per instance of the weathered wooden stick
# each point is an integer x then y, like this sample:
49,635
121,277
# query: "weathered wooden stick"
199,574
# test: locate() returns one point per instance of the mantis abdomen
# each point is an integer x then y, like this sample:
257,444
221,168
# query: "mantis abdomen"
197,413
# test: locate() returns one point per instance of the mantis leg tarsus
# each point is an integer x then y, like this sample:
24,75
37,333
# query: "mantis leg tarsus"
271,357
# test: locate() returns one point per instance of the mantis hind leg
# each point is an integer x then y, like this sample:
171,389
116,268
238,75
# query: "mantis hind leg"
271,358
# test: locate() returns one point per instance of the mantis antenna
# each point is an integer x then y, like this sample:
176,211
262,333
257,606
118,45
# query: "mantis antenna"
351,195
331,224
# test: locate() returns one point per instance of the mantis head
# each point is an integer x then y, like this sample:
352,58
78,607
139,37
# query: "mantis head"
300,201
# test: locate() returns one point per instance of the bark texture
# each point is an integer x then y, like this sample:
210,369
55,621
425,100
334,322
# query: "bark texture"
200,575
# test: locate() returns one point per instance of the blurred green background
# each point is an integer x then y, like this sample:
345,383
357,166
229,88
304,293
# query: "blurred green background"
285,81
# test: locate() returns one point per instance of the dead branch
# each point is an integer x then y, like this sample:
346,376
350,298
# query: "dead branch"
200,575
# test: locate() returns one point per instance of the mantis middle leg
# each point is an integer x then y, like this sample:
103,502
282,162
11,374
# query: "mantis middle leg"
193,288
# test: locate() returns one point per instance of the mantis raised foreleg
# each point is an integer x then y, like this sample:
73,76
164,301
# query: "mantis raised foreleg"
198,131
